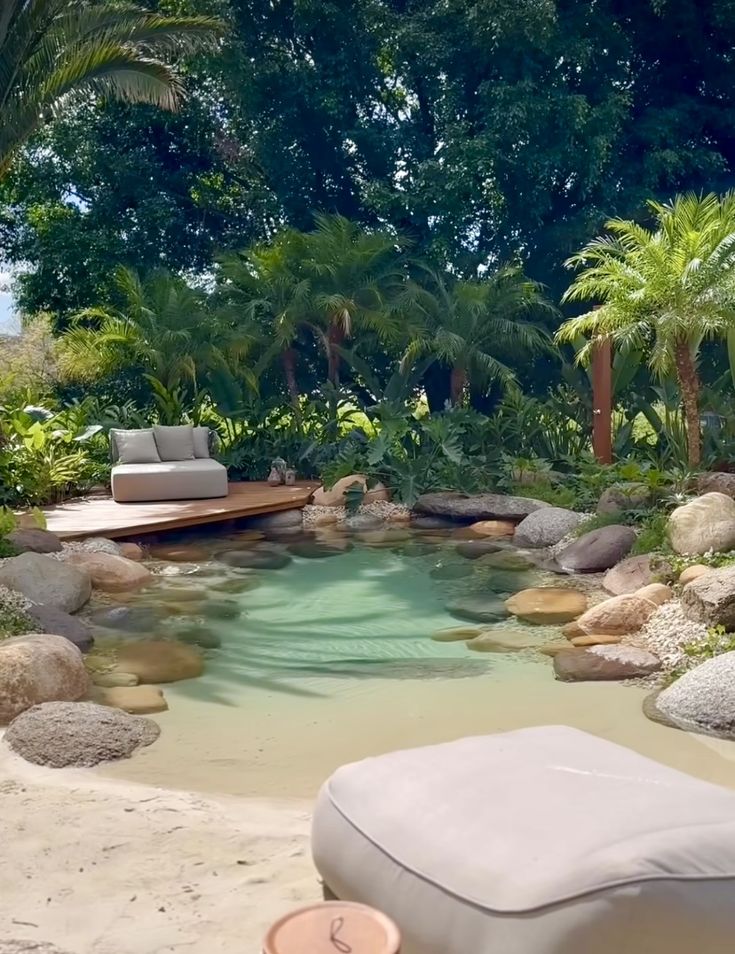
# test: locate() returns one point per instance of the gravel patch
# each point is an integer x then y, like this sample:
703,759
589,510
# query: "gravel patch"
13,600
666,634
382,509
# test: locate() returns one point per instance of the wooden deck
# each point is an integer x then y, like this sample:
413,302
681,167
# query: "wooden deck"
102,517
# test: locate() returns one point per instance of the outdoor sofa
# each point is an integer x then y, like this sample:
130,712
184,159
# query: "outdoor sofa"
539,841
165,463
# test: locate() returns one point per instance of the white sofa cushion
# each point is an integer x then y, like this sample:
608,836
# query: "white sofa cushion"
169,480
539,841
174,442
134,446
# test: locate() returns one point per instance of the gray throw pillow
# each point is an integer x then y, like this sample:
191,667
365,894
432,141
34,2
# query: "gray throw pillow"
201,442
134,447
175,443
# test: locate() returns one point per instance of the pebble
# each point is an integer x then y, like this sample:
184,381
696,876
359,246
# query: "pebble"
666,634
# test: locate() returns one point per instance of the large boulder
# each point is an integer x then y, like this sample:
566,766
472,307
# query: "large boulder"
546,527
631,574
547,605
33,540
625,496
39,668
702,700
45,580
109,572
159,661
719,482
335,496
711,598
706,523
477,507
604,663
617,616
597,550
77,733
48,619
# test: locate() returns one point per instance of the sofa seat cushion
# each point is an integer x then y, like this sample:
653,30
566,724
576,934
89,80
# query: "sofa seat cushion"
169,480
540,841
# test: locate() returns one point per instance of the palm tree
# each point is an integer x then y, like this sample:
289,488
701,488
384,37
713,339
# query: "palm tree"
474,327
53,49
163,327
357,280
661,290
265,288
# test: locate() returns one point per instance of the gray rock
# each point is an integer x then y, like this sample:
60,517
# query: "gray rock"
419,522
597,550
314,550
711,598
718,482
703,699
546,527
477,507
480,609
282,520
127,619
34,541
48,619
474,549
635,572
78,733
627,496
45,580
256,559
604,663
363,521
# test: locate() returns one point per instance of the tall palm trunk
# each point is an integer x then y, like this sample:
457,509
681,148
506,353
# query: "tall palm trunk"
288,361
686,371
335,339
458,384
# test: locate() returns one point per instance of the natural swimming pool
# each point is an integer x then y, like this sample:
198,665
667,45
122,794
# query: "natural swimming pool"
319,651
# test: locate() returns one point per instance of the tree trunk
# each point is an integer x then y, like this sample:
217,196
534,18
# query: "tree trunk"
335,337
288,360
437,386
686,371
458,384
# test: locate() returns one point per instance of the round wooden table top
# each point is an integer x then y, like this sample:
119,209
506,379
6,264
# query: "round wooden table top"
333,927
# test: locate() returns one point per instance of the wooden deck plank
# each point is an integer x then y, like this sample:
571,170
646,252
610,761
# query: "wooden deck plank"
102,517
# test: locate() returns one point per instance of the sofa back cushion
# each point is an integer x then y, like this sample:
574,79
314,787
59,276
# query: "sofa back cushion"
134,446
174,443
201,442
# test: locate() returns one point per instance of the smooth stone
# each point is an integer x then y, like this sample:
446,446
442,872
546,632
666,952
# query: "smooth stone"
390,537
238,584
711,598
704,524
34,541
159,661
417,549
180,553
716,482
111,573
477,507
456,634
247,536
545,528
335,496
131,551
482,609
359,522
551,649
45,580
493,529
635,572
604,663
77,733
129,619
281,520
597,550
500,642
624,496
507,582
324,520
618,616
198,635
474,549
313,551
693,573
181,594
136,700
256,559
424,522
39,667
546,605
595,640
507,560
658,593
48,619
110,679
572,630
222,609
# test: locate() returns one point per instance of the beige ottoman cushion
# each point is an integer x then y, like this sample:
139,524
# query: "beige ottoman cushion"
169,480
540,841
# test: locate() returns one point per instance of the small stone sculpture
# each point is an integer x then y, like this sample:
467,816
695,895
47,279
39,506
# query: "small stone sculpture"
278,471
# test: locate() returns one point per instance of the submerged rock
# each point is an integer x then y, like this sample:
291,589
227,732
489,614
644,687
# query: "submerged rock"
456,634
547,605
45,580
159,661
260,559
77,733
473,549
135,700
39,668
482,609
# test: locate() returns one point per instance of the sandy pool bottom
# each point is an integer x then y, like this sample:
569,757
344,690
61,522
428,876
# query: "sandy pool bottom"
250,742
